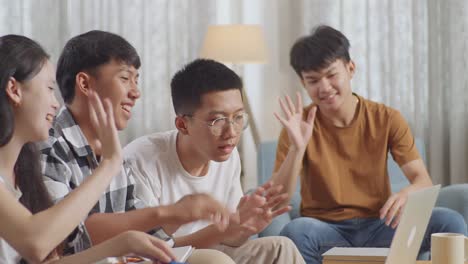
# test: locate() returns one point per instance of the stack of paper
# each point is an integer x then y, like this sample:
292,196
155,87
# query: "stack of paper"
340,255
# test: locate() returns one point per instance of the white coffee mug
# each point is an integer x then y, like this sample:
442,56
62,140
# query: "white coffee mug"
449,248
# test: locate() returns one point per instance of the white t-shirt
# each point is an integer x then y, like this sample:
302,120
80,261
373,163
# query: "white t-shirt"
162,180
8,255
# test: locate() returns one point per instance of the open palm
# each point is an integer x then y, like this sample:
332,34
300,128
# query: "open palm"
299,130
102,120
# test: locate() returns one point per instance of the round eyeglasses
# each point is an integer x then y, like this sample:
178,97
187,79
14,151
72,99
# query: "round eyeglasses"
239,122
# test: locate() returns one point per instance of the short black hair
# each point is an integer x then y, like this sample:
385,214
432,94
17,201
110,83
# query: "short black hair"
88,51
318,50
197,78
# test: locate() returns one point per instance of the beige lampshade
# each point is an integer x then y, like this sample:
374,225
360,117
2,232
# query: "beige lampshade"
238,44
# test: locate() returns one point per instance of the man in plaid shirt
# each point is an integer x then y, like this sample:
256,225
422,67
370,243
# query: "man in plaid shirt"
67,159
108,64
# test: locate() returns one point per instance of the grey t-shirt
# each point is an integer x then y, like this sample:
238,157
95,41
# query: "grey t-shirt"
8,255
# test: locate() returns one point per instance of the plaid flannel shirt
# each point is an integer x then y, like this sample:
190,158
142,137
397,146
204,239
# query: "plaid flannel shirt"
67,159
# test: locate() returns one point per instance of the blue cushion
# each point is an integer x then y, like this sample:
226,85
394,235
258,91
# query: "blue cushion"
455,197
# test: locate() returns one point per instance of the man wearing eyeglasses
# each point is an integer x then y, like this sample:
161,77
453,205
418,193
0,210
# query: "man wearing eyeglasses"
201,156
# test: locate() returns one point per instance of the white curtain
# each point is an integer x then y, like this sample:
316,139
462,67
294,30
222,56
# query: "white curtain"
410,54
167,34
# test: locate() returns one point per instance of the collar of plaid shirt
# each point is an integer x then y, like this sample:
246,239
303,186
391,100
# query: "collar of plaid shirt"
72,133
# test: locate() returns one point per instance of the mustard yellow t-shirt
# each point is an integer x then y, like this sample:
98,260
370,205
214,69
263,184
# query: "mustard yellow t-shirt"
344,172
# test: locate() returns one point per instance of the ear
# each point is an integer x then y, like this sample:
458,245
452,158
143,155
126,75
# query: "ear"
351,68
181,124
83,83
13,91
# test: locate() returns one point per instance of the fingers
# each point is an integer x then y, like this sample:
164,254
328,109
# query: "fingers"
311,115
220,219
248,211
96,104
291,105
299,101
387,206
160,250
392,208
267,185
212,210
241,203
110,112
397,219
280,119
393,211
92,103
273,191
248,229
281,211
277,200
260,191
255,200
287,112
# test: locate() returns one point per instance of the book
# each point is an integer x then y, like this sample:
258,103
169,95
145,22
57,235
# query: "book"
343,255
182,253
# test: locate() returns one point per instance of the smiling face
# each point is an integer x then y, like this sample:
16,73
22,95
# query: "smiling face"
38,104
330,87
118,82
215,105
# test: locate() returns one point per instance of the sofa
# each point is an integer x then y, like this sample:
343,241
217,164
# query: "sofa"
454,196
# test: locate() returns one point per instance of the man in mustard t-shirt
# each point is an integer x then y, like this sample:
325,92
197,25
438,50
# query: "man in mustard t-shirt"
339,144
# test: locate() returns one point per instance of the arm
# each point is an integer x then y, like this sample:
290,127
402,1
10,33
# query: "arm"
290,168
417,175
188,209
403,148
103,226
298,131
131,242
204,238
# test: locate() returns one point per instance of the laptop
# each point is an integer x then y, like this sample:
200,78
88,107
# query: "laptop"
412,227
408,235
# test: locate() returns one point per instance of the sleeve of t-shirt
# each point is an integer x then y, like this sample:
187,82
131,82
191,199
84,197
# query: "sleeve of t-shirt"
401,141
282,149
148,186
235,193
